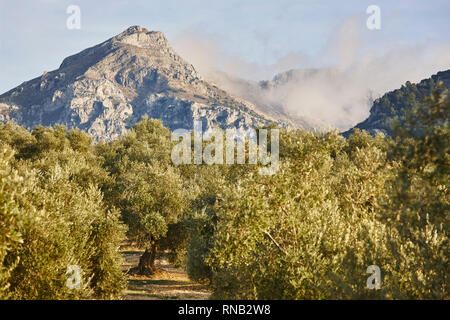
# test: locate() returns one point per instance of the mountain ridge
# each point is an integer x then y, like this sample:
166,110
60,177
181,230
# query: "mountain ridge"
107,88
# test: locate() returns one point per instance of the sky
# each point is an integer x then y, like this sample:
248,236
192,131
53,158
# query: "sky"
253,39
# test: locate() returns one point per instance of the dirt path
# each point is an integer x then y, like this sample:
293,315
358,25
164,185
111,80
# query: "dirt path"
168,283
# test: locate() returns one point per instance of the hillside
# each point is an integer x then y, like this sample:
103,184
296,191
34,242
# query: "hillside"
396,103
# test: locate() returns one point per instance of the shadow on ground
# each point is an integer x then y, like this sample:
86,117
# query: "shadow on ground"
168,283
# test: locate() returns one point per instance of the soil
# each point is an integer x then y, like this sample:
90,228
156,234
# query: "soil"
168,282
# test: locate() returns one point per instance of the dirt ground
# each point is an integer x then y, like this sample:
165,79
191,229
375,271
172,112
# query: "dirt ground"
167,283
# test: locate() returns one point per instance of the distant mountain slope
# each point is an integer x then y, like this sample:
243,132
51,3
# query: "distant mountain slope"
268,95
107,88
309,98
397,102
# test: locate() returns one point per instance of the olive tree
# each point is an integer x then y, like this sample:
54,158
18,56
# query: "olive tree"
146,187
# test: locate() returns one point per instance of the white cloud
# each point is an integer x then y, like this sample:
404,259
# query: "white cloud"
337,95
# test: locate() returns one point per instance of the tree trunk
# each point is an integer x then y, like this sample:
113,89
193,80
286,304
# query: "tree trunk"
147,261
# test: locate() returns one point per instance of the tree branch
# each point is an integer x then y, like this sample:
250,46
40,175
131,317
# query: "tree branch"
274,241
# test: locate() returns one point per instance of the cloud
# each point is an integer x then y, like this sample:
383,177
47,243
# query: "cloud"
338,91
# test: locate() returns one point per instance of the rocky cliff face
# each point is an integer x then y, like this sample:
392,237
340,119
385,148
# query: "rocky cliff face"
106,89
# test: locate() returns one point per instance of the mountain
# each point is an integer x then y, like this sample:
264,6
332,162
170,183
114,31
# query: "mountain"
396,103
107,88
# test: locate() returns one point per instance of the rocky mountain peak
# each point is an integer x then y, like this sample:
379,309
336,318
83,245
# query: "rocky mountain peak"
133,29
135,41
107,88
142,38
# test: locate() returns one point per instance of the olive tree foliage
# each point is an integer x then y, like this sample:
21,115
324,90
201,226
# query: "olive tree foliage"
10,237
291,235
201,218
334,208
146,187
417,202
53,216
